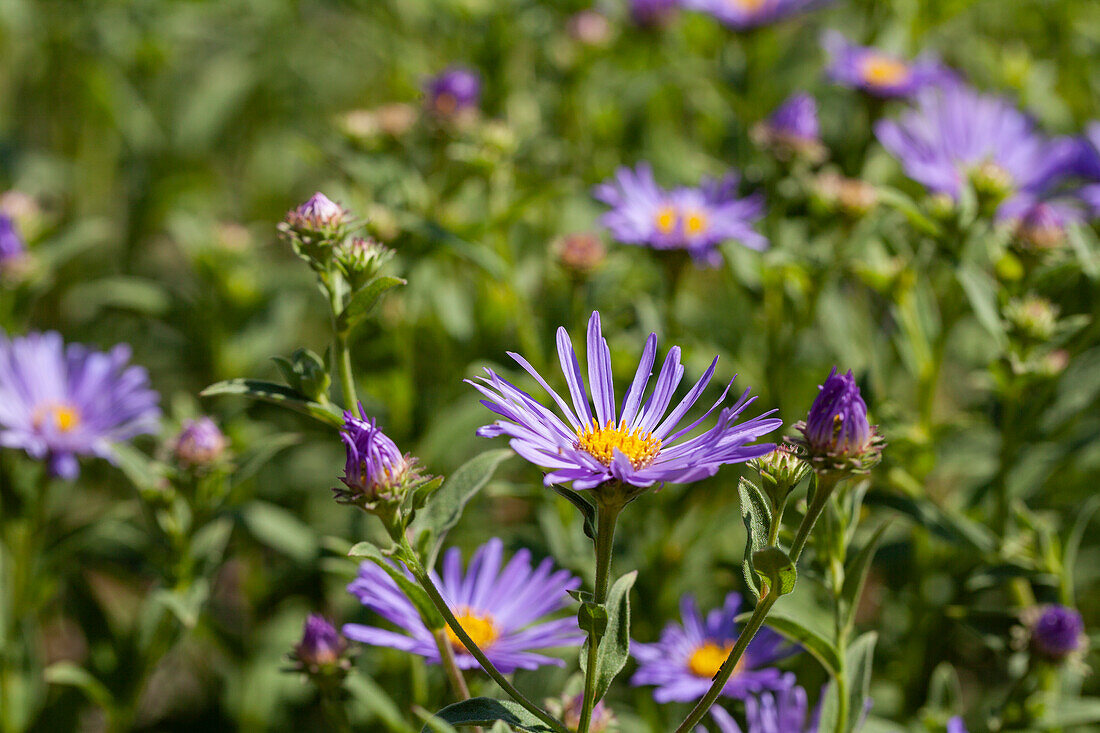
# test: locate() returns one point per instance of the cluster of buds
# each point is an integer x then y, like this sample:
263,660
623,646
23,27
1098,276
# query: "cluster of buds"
323,651
581,253
392,120
852,197
200,445
792,131
780,471
836,436
315,227
1055,633
360,259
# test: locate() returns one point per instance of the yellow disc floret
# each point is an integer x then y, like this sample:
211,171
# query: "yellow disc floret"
883,71
707,659
695,222
639,446
64,417
666,219
480,627
747,5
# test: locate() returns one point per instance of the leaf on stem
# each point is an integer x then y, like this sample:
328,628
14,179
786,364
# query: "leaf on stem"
416,595
486,711
364,300
757,516
793,629
583,505
613,650
855,575
780,571
276,394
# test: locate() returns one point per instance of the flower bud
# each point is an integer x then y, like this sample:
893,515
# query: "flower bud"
992,183
836,434
361,259
200,444
780,471
792,131
1033,318
314,227
1056,633
1040,230
322,650
453,92
376,474
569,709
580,253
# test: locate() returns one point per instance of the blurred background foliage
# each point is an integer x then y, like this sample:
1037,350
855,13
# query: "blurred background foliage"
162,140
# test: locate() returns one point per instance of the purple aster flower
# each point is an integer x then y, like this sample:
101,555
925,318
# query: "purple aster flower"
784,710
11,244
452,91
652,13
792,130
199,443
1088,166
374,469
1057,632
685,659
641,446
879,73
955,725
58,401
503,610
322,647
955,133
693,219
837,422
741,15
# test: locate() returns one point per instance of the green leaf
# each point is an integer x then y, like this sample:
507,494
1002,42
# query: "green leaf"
1083,241
72,675
281,530
486,711
592,618
912,211
445,508
855,575
613,650
1072,712
812,641
774,563
951,527
276,394
1073,543
982,293
369,695
585,507
417,595
364,300
757,516
858,663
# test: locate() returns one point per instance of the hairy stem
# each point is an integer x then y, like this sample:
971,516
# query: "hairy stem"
340,352
447,656
826,482
605,538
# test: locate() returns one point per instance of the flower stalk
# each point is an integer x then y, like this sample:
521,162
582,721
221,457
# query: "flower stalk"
607,515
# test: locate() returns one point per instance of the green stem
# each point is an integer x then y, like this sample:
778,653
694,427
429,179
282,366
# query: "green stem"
425,581
340,352
447,655
728,666
826,482
842,698
606,517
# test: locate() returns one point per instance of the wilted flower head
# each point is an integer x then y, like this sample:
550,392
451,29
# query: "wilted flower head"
453,91
58,401
955,134
200,443
503,610
792,130
741,15
696,220
652,13
375,470
1056,632
784,710
12,247
686,658
322,648
877,72
639,447
836,434
580,253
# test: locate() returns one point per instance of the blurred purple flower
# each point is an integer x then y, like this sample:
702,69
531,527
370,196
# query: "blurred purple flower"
199,443
1088,166
637,447
601,721
955,725
879,73
741,15
58,401
792,129
652,13
784,710
685,659
321,647
452,91
955,133
503,610
693,219
12,246
1057,632
1041,225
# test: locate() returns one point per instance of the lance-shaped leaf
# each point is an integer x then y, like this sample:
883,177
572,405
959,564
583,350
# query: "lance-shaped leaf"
444,509
773,563
587,510
792,628
416,595
757,516
614,648
276,394
855,575
858,663
364,300
486,711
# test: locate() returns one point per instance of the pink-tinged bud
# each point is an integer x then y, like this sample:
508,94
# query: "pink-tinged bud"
199,444
836,434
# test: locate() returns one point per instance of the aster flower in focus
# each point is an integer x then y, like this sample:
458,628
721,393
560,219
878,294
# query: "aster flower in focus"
322,650
1056,632
836,434
641,446
879,73
743,15
376,474
503,610
683,662
453,91
58,402
792,130
955,134
696,220
200,443
12,247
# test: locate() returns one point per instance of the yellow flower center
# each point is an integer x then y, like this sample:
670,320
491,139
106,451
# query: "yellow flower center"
480,627
64,417
747,5
666,219
707,659
883,71
640,447
695,222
